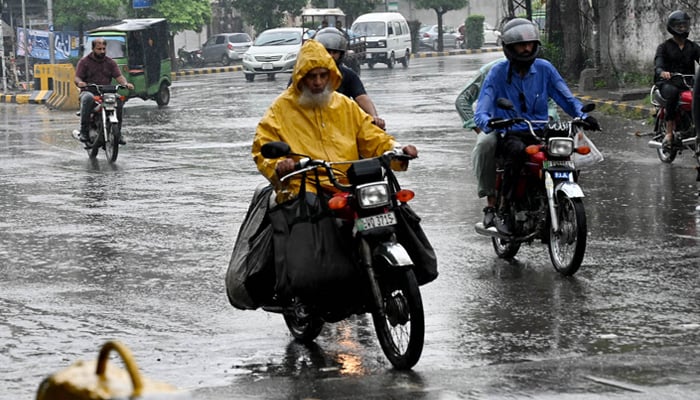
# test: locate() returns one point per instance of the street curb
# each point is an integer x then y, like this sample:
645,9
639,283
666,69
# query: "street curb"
455,52
204,71
15,98
612,106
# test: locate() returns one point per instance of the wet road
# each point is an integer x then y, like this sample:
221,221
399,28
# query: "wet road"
137,251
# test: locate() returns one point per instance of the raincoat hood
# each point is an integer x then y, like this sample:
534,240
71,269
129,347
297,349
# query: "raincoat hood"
314,55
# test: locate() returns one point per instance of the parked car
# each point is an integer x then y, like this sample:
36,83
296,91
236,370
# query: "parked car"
273,51
491,36
429,37
226,47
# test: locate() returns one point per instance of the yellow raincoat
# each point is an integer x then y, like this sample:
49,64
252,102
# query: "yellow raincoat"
342,131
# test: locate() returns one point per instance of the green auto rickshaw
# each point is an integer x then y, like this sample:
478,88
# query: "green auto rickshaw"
141,49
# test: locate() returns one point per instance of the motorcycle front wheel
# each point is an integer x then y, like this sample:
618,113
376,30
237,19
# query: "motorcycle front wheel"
568,245
665,155
111,142
400,324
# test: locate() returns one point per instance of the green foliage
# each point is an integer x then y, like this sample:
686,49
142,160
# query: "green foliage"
266,14
474,31
552,53
76,13
440,6
182,14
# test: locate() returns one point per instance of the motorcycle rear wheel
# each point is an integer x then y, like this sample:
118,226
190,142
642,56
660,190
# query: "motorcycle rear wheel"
567,247
505,249
665,155
304,330
111,142
400,325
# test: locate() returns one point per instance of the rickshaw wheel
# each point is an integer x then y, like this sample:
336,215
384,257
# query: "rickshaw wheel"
163,95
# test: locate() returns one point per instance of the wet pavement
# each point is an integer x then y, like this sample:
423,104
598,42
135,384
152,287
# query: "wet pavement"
137,251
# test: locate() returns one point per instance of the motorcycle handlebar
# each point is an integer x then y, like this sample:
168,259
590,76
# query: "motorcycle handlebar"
498,123
307,164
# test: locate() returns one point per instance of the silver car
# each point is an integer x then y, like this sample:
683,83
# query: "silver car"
226,47
273,51
429,37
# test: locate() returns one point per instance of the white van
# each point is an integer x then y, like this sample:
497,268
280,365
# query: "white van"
388,38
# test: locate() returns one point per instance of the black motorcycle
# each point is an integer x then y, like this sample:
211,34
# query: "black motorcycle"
368,215
190,58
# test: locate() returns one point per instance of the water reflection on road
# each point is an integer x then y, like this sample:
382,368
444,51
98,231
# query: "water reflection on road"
137,250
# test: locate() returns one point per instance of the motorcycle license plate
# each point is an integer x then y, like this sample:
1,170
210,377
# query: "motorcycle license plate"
375,221
267,66
561,174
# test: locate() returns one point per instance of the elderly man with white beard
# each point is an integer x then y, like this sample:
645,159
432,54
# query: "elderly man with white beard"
318,122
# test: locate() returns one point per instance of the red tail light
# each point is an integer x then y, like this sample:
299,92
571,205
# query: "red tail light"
230,46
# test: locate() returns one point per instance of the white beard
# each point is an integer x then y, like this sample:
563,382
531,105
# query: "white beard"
318,100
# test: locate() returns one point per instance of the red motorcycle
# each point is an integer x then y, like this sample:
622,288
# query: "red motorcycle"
684,134
548,201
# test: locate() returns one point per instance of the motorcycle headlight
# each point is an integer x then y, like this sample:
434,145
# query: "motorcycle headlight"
109,98
372,195
560,147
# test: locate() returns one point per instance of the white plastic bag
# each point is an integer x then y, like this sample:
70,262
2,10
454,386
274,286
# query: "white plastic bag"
582,161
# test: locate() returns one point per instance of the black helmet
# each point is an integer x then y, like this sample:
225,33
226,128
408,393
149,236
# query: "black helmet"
678,23
333,39
520,30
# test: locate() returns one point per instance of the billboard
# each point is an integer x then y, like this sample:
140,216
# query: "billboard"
65,44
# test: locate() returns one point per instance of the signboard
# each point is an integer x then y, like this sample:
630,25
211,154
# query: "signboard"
142,3
65,44
392,6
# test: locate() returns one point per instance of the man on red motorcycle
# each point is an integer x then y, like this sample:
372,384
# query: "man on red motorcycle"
528,82
675,55
96,68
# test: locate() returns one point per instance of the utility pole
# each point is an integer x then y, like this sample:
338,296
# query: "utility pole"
52,44
26,42
2,50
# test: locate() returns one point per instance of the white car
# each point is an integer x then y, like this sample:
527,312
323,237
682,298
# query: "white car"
491,35
273,51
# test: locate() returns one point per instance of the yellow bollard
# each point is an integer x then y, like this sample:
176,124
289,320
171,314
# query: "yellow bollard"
100,380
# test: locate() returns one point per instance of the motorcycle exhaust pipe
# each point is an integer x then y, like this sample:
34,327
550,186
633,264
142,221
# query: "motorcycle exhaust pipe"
657,145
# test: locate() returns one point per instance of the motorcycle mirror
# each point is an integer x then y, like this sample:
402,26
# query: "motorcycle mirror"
275,150
504,103
588,107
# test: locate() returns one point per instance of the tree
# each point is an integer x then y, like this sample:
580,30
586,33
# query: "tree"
78,14
440,7
266,14
566,32
351,8
181,15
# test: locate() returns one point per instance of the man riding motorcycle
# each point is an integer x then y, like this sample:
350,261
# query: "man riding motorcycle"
528,82
317,121
675,55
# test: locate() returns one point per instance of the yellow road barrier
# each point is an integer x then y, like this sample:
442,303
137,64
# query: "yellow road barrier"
65,94
100,380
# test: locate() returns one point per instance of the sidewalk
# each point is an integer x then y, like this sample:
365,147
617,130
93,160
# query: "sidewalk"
630,103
